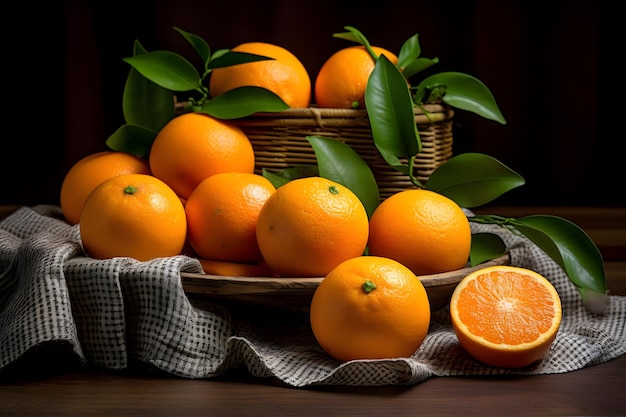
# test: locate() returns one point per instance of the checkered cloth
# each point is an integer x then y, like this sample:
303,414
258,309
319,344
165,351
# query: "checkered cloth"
120,312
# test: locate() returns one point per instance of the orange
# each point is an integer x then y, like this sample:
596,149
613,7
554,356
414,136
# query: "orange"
89,172
424,230
194,146
342,79
133,215
505,316
370,307
222,213
309,226
284,75
235,269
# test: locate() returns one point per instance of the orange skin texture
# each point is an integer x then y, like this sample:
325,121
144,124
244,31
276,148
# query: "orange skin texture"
89,172
222,214
148,222
506,316
194,146
285,75
390,321
424,230
342,79
309,226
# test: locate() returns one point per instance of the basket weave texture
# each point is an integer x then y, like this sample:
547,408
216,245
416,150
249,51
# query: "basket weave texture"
279,140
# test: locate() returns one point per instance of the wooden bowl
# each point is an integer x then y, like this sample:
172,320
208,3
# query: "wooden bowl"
296,293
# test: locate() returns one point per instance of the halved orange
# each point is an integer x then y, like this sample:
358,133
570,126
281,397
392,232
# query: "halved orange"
505,316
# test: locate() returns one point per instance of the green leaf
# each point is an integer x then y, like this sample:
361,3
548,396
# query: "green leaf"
340,163
144,103
353,35
229,58
485,246
569,246
409,52
420,64
390,111
282,177
473,179
242,102
167,69
465,92
198,44
133,139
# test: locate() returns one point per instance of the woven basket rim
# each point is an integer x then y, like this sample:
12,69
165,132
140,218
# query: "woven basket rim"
342,113
333,117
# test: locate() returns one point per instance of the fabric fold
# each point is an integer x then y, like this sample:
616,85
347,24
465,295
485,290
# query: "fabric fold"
120,312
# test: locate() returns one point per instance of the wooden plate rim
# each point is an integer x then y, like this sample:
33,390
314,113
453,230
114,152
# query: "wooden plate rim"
207,284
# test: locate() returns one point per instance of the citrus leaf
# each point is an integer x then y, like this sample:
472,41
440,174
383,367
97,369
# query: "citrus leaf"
132,139
144,103
485,246
418,65
276,180
465,92
167,69
198,44
569,246
340,163
229,58
283,176
353,35
243,101
473,179
409,52
390,110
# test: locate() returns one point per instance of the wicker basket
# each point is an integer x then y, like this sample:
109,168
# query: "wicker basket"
279,140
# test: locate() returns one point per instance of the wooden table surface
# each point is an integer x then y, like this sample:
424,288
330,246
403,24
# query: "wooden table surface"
593,391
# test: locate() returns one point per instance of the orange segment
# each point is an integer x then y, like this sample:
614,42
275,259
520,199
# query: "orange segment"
506,316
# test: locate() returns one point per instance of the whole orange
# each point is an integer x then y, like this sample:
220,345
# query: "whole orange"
222,214
89,172
506,316
370,308
309,226
285,75
342,79
194,146
133,215
422,229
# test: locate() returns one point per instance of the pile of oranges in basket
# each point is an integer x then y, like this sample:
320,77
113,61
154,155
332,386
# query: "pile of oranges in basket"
197,195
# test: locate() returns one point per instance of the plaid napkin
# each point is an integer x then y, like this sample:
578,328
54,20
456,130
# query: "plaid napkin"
119,313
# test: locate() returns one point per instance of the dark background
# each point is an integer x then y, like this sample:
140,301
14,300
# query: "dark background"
64,78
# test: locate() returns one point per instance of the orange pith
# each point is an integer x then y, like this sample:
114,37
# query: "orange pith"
370,308
285,75
506,316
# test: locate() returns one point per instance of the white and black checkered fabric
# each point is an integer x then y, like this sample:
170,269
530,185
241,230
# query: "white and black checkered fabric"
120,312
